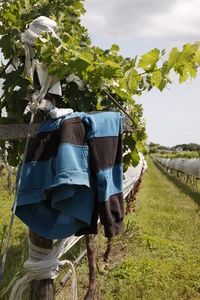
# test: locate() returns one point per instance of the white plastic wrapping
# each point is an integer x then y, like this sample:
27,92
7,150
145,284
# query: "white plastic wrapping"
37,27
132,175
188,166
48,83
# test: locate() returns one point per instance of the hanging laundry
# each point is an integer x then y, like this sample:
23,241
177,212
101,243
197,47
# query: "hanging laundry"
73,174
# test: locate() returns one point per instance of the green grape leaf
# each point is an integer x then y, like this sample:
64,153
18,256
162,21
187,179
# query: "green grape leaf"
188,52
156,78
131,159
197,57
114,48
135,158
148,61
9,17
112,64
133,79
192,69
86,56
173,57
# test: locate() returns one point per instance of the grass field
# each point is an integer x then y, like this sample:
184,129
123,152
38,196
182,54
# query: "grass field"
18,246
158,257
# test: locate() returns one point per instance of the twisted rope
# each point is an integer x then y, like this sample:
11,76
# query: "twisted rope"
44,263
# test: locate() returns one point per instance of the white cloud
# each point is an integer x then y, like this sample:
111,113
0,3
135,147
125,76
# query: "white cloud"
188,133
130,19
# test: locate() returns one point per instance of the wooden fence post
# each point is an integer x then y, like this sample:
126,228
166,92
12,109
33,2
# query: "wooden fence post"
41,289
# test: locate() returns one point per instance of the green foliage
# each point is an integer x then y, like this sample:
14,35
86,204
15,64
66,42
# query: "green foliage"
149,60
179,154
187,147
190,150
18,246
85,70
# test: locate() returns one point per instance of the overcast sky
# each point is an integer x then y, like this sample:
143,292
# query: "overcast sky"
138,26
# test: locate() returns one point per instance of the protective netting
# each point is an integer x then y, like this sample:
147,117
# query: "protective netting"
185,165
48,83
132,175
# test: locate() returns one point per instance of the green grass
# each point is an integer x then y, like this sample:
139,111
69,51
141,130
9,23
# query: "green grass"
158,257
163,262
18,246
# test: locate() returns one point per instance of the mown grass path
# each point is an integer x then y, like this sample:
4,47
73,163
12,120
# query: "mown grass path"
168,255
163,262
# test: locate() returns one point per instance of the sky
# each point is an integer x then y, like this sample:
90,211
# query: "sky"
137,26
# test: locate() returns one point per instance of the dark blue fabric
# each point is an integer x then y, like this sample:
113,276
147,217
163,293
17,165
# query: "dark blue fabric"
57,196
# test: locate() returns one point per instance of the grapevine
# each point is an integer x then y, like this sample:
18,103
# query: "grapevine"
85,70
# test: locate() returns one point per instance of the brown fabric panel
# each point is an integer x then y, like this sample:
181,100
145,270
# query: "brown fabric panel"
92,228
72,131
112,214
106,152
44,146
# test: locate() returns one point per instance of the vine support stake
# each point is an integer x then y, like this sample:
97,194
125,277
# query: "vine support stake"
41,289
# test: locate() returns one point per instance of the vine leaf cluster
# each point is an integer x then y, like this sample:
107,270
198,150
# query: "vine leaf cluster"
85,70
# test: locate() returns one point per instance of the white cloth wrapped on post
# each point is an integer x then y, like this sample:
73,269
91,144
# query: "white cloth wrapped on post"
48,83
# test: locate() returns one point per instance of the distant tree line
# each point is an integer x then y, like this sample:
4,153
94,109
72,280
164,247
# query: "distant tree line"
153,147
186,147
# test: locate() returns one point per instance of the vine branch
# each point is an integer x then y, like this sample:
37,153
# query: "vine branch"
5,67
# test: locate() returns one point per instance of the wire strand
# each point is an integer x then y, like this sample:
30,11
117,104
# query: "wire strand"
120,107
16,197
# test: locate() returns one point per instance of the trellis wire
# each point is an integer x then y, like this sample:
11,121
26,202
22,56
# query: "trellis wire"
16,197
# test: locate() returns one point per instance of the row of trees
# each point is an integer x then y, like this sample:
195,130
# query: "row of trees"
153,147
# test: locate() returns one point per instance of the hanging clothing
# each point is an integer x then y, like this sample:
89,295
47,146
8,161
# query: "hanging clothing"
73,174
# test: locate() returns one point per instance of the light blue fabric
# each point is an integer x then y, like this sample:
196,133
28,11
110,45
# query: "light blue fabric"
49,223
77,158
50,125
97,123
109,182
36,176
